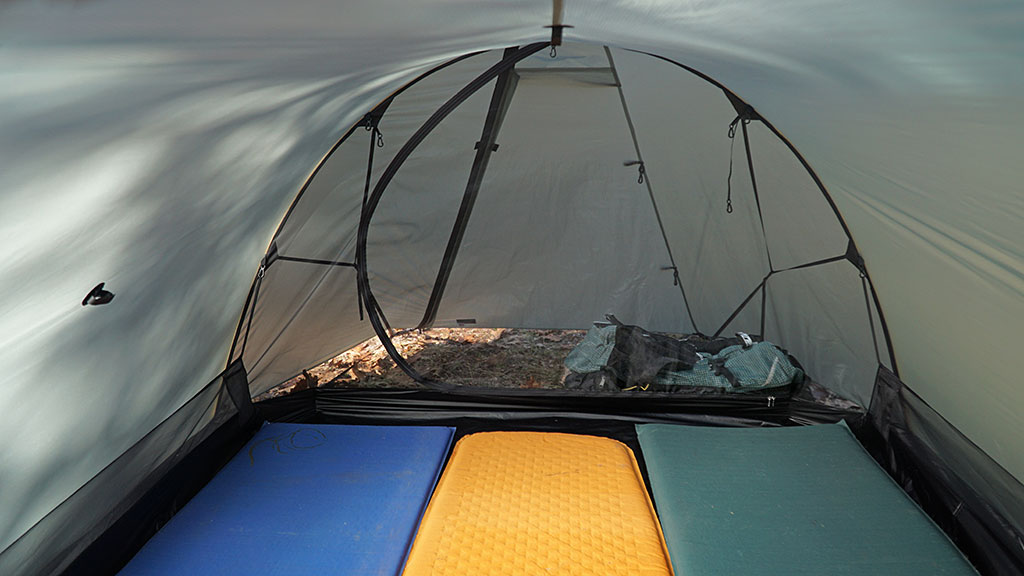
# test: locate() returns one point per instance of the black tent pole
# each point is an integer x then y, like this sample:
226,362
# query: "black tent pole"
369,302
501,99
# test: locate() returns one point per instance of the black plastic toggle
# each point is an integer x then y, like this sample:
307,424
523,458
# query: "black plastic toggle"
98,296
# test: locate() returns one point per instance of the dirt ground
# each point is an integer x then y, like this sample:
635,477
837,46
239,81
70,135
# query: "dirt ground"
501,357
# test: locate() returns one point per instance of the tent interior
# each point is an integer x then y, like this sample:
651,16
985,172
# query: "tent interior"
562,190
615,188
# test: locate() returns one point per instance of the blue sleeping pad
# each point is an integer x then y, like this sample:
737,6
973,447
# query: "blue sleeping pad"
306,499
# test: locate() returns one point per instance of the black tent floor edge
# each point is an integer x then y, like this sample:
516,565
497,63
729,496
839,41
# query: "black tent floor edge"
992,542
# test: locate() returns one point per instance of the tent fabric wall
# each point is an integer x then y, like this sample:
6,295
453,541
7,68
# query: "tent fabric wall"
162,195
155,147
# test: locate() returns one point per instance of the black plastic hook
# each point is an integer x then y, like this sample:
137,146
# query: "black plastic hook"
98,296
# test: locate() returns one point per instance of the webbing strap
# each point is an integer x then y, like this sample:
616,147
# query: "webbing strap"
316,261
828,260
757,197
376,141
871,317
763,288
242,319
237,385
741,307
252,310
764,307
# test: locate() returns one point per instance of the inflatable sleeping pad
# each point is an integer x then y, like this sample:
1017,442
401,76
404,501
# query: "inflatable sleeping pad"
529,503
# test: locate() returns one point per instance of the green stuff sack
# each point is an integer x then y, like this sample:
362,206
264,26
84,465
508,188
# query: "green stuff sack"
758,367
733,369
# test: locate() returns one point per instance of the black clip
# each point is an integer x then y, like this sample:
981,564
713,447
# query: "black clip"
735,123
642,169
675,274
746,339
98,296
745,118
556,37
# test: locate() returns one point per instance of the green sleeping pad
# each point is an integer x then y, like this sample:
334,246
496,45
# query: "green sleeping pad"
786,501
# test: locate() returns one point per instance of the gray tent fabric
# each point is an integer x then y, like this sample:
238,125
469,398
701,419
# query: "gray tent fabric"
155,147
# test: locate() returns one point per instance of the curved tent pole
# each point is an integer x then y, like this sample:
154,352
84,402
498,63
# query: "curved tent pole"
853,252
369,302
374,115
270,255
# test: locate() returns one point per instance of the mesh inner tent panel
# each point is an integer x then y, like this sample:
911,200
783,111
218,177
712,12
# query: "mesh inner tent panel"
323,223
560,216
307,312
819,315
682,127
563,232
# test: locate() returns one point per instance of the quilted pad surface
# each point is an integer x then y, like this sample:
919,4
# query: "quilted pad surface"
527,503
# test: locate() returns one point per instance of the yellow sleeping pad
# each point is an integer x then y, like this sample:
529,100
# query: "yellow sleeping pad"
529,503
